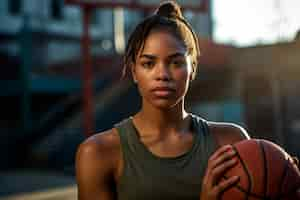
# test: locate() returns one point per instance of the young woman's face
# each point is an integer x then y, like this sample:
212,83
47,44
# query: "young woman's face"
162,70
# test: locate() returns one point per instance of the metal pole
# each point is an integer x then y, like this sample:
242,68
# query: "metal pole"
26,62
88,117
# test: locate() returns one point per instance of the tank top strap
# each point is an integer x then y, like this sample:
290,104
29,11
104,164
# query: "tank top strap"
124,130
206,138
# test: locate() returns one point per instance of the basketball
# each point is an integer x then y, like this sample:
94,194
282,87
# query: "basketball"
266,172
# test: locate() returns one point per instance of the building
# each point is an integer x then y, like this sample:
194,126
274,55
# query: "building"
40,49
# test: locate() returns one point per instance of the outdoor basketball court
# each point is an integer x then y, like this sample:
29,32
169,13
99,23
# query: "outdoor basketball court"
36,185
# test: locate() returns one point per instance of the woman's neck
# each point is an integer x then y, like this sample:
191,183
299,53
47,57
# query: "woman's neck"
158,120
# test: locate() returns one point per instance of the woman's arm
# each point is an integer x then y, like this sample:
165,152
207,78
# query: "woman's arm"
95,166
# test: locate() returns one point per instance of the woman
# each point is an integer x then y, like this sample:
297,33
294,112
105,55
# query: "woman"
162,152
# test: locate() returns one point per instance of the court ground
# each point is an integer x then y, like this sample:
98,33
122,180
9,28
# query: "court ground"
36,185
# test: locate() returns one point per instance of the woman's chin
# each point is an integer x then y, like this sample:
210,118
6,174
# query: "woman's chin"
164,104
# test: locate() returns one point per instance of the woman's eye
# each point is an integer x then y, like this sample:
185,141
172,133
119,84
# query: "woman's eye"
177,63
148,64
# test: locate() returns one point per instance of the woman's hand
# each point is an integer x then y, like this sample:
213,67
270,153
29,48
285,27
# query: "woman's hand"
222,160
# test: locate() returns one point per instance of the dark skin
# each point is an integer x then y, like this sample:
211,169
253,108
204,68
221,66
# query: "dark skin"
162,72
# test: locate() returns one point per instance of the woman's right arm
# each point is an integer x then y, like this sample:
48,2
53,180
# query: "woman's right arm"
94,170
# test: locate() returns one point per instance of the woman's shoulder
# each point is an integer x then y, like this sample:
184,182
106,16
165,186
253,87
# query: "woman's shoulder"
227,133
97,161
228,128
106,143
108,138
100,147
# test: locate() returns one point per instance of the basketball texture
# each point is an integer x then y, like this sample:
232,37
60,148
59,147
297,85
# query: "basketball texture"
266,172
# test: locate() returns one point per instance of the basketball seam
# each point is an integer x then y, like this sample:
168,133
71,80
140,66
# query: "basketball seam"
295,189
265,166
282,178
247,192
247,173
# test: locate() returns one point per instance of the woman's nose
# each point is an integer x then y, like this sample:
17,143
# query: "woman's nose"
163,73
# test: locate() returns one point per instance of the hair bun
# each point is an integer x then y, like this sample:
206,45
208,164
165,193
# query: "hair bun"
169,9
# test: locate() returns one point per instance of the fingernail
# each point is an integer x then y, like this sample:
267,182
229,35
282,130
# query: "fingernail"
228,147
232,152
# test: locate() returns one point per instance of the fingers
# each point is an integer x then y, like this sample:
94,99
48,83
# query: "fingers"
223,159
219,163
219,158
222,186
220,151
228,154
217,172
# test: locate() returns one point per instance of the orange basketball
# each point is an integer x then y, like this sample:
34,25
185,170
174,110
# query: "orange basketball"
266,172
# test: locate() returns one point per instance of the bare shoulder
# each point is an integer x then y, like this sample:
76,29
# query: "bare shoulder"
102,147
96,164
227,133
102,141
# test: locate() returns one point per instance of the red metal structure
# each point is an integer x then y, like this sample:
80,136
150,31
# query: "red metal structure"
88,118
194,5
87,7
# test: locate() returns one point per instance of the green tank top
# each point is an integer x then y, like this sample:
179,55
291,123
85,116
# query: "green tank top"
149,177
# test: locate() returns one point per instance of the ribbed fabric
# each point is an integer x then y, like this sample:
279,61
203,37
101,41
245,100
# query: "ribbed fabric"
149,177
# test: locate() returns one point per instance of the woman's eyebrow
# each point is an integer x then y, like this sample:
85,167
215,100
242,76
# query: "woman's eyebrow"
148,56
177,54
174,55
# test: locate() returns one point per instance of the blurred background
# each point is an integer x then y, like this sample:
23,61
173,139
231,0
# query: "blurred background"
60,79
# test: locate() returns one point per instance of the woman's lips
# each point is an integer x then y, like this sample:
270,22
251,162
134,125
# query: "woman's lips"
163,91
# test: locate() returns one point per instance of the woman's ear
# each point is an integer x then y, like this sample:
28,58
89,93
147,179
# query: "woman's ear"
132,69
